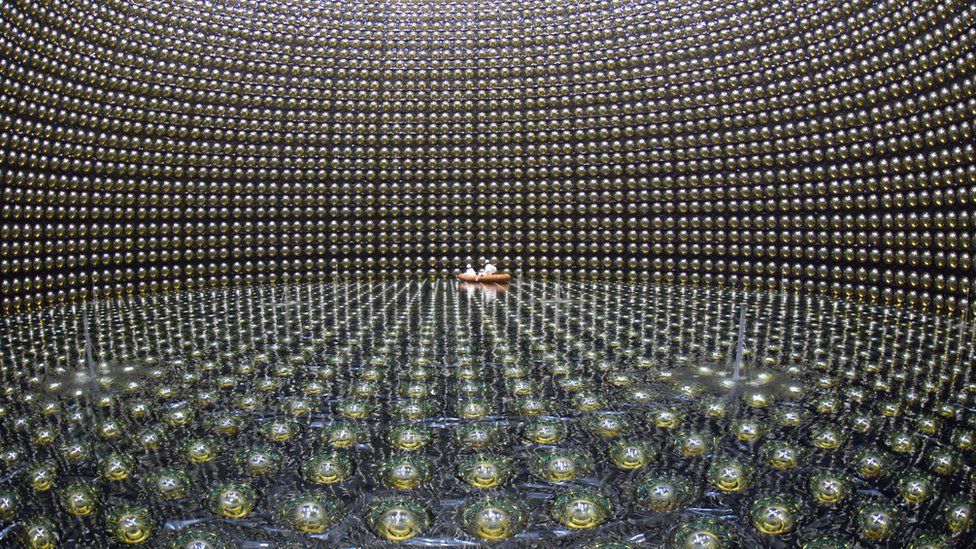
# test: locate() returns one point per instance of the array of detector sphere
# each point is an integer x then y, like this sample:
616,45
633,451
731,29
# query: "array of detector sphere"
822,146
594,414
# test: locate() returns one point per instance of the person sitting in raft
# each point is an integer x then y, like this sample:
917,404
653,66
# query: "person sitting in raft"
488,269
470,270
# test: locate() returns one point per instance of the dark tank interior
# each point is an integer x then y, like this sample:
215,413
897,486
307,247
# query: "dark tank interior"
740,236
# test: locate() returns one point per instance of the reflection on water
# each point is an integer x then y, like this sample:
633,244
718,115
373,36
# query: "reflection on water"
488,292
440,413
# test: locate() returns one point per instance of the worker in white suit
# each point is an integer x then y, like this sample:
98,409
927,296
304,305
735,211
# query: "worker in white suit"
488,269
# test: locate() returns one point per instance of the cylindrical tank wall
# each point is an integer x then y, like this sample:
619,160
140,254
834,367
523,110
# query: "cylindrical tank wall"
822,146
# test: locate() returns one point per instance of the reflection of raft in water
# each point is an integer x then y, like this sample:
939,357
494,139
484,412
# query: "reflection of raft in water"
486,289
492,278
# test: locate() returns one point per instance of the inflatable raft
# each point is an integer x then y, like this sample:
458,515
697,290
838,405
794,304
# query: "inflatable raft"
496,278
